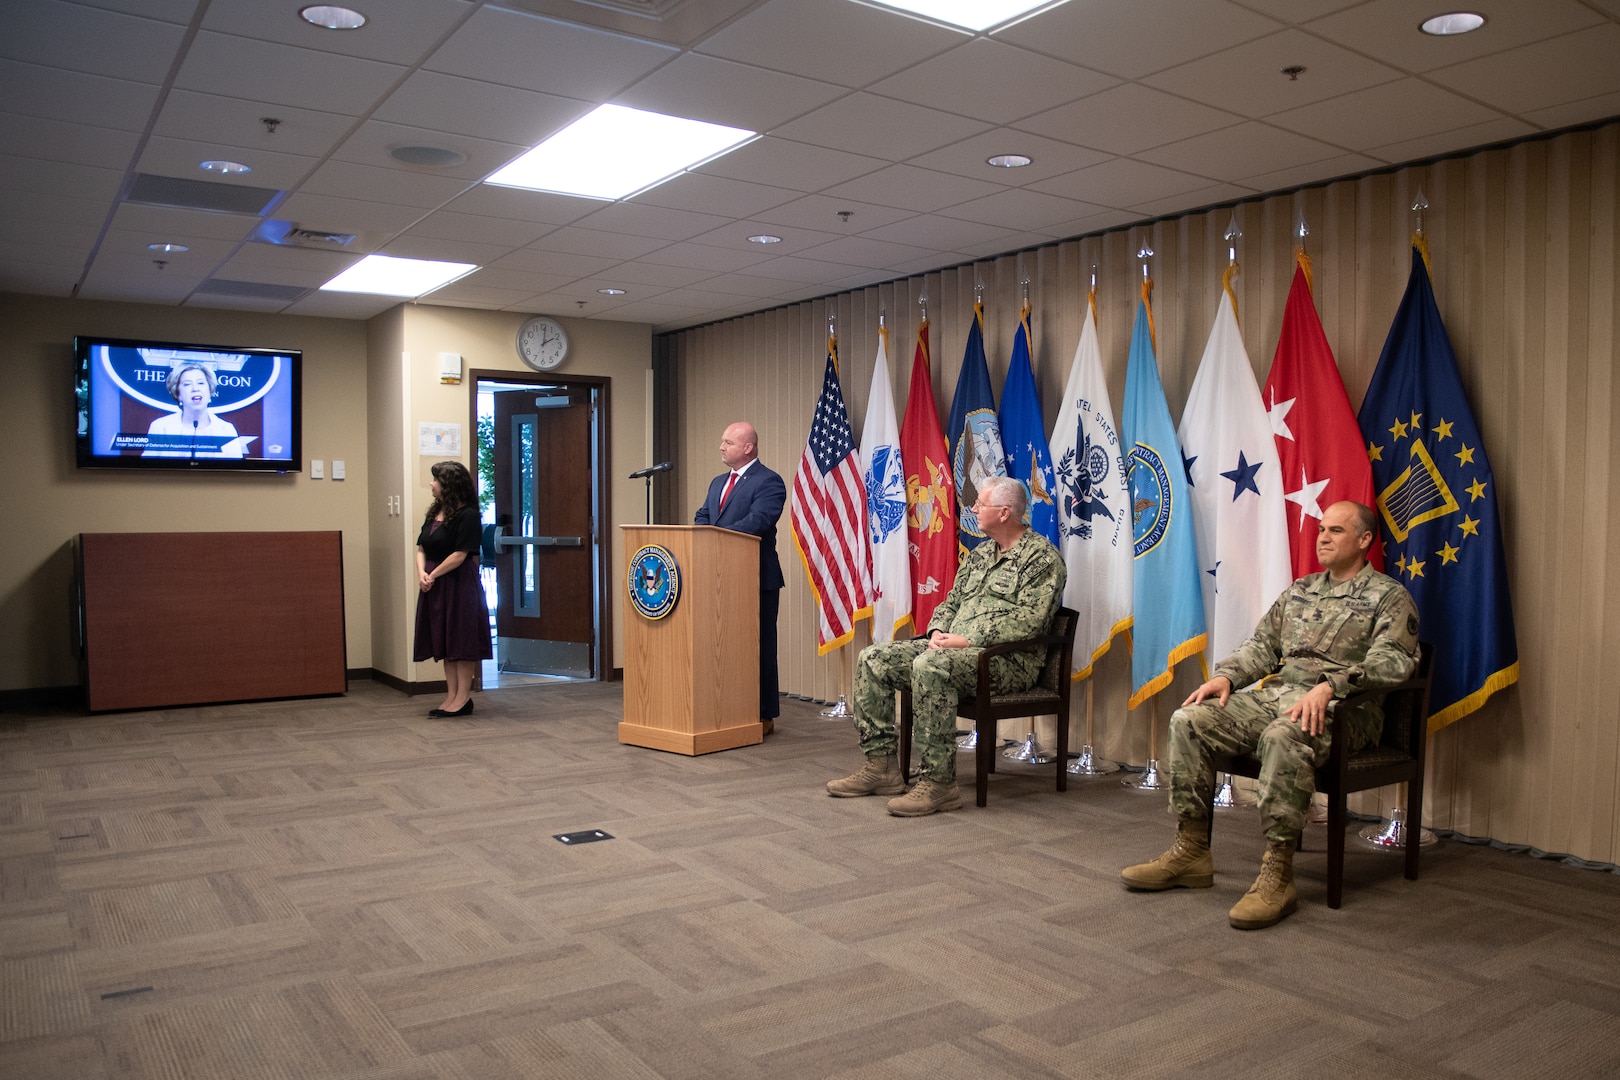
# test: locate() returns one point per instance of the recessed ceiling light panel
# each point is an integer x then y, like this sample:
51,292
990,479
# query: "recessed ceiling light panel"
975,15
332,17
1008,161
225,168
1453,22
764,238
386,275
614,152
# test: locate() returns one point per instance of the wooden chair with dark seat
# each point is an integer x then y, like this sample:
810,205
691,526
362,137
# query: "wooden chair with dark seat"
1050,694
1396,758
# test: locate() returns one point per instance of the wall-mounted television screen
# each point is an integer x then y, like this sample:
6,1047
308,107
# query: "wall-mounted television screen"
167,405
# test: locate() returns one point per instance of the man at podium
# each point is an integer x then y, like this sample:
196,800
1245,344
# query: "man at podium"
748,498
1007,589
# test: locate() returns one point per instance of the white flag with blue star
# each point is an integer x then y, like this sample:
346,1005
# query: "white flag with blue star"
885,481
1239,514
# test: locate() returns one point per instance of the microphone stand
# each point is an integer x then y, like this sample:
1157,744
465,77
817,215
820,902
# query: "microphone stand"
648,478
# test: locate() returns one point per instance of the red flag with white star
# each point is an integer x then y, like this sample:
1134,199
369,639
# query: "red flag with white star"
1318,442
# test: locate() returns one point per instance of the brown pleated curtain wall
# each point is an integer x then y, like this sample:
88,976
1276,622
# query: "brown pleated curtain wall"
1526,269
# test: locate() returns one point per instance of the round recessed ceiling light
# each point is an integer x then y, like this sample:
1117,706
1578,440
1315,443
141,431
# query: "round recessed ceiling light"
764,238
1008,161
611,292
332,17
1453,22
432,157
225,168
173,249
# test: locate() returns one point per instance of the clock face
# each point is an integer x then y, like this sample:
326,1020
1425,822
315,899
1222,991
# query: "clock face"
542,343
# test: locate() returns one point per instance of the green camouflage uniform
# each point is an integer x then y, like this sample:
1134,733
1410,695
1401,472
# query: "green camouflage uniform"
998,596
1358,635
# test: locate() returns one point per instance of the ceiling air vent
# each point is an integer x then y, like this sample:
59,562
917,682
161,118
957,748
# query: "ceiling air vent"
318,238
201,195
257,290
288,234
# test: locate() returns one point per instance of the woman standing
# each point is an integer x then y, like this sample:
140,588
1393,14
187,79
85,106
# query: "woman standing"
452,619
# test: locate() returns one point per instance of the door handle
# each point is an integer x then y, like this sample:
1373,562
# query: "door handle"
502,541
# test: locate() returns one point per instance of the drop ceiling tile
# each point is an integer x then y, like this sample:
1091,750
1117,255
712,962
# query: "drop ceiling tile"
230,121
562,264
609,279
1018,82
938,233
137,280
1048,158
512,48
821,212
347,215
438,249
1447,142
721,92
704,257
1576,112
734,236
91,40
234,303
1128,119
507,232
610,245
235,270
505,114
287,265
522,281
656,312
27,276
57,140
880,127
1009,242
863,251
792,165
653,222
165,222
181,157
1031,211
1249,80
1141,37
1554,72
123,243
406,187
1240,151
338,305
750,284
60,178
720,195
1213,195
705,298
39,235
1394,112
400,32
910,188
801,270
174,11
1121,182
55,94
460,293
56,209
1298,11
1088,226
1388,29
662,277
284,75
1325,169
370,145
517,204
834,40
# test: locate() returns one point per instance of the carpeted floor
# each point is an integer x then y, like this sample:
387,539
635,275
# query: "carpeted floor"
342,888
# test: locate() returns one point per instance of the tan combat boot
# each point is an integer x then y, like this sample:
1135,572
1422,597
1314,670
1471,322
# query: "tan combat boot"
1187,865
927,797
879,776
1271,897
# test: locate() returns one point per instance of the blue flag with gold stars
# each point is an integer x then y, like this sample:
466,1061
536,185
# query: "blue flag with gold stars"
1437,502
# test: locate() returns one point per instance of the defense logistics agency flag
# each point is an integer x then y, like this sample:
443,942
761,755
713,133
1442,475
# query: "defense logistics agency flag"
1024,436
1168,621
885,478
975,433
829,510
1317,439
1237,494
1437,498
930,492
1094,505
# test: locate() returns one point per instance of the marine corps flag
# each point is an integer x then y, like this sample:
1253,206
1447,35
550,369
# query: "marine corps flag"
1168,608
885,478
1023,435
930,492
1437,500
975,434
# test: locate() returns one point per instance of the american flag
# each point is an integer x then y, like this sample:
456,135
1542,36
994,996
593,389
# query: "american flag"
829,517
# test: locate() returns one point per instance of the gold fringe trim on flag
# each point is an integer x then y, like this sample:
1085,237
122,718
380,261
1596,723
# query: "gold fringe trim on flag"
1091,298
1304,262
1226,283
1119,628
1147,301
832,351
1023,313
1501,680
883,335
1167,676
864,613
923,342
1421,242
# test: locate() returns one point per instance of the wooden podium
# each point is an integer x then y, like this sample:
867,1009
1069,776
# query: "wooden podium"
691,678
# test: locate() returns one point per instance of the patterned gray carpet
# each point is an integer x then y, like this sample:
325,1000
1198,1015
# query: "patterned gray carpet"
343,888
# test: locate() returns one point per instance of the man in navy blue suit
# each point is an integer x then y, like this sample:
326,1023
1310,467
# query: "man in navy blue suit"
749,499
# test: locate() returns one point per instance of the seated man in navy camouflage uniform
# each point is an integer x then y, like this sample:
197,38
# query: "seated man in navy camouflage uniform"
1329,635
1007,589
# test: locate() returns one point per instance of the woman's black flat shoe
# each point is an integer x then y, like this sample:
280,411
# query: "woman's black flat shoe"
441,714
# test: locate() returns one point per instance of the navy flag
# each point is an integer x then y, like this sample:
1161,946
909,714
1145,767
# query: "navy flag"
974,430
1437,502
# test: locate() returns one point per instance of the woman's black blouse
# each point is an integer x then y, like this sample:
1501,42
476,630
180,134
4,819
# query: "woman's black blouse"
462,532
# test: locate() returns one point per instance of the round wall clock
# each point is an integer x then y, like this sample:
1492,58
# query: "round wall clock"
542,343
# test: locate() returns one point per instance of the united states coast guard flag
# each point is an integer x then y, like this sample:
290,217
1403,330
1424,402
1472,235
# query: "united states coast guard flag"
1023,435
975,434
1094,513
829,512
1239,515
885,479
1437,499
1167,624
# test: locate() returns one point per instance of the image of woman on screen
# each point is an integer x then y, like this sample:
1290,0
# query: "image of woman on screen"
452,621
193,431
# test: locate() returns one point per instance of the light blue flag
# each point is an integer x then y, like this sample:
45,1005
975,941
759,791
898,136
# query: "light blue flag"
1168,601
975,434
1023,436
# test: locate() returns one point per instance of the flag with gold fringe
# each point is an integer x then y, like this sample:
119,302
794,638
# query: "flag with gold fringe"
930,491
885,478
1437,503
975,433
1023,435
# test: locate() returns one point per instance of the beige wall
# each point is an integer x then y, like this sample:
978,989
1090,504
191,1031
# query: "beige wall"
52,500
1526,257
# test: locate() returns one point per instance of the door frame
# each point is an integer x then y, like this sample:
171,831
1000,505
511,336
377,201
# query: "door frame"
602,651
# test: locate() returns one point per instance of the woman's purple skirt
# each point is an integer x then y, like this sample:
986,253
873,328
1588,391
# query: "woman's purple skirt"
452,622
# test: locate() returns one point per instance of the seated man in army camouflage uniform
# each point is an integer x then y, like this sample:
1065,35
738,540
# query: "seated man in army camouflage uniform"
1328,635
1007,589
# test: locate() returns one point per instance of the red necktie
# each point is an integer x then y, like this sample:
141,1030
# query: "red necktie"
726,494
